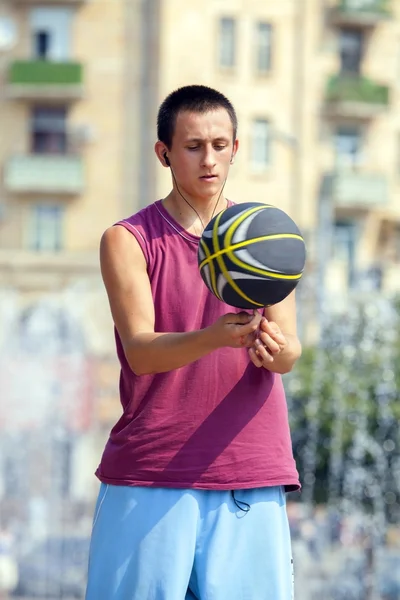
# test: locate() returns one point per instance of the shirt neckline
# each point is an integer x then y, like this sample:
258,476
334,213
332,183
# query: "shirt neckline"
177,226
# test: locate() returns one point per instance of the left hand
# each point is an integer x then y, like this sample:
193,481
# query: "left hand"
269,342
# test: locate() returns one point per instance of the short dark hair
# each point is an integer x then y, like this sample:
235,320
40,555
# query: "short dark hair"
191,98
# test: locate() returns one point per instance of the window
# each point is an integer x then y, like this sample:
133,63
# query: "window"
345,243
348,146
51,32
48,130
260,144
46,228
351,49
42,44
264,47
227,49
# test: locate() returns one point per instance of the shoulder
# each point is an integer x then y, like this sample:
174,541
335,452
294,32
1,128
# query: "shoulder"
142,218
131,234
117,243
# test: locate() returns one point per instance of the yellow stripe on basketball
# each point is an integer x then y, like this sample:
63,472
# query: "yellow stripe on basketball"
238,245
212,268
264,272
231,247
231,230
224,270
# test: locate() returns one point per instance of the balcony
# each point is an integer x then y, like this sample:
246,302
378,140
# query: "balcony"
360,13
355,96
44,80
356,189
45,174
50,2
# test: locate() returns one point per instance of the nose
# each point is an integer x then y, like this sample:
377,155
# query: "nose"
208,158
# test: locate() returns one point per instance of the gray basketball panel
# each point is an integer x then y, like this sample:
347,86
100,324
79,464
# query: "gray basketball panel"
271,221
286,256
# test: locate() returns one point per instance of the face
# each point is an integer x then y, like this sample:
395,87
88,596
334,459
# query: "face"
201,152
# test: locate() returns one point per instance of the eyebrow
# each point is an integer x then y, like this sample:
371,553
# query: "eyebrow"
201,140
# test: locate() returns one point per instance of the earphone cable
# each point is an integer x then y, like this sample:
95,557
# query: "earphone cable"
192,207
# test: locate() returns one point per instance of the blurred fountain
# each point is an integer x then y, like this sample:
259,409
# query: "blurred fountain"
345,433
48,437
353,389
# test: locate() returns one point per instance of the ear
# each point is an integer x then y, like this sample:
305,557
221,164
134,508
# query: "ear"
234,150
160,149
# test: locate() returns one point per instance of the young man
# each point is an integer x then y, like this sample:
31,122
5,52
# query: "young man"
192,499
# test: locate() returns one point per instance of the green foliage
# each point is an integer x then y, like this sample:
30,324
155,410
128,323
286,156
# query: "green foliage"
353,88
347,385
368,6
41,72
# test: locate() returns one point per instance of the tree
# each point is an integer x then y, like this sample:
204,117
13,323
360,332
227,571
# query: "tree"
344,406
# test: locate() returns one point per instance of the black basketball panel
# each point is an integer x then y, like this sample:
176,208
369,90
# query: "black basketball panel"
271,221
257,293
272,291
225,220
237,209
230,214
205,273
267,257
286,256
232,298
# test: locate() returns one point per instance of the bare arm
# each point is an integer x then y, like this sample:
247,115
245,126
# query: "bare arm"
125,277
278,347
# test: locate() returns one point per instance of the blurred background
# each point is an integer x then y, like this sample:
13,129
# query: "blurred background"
316,85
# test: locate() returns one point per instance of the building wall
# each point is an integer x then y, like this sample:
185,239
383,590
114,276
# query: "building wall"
189,49
134,53
100,43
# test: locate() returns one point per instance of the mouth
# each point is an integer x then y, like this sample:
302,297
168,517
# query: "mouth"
209,178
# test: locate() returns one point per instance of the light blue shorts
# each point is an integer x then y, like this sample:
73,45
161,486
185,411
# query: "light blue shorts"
169,544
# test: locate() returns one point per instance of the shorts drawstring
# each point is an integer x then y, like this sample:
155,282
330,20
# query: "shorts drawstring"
240,504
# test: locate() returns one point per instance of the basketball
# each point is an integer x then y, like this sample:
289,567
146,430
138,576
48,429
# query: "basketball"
251,255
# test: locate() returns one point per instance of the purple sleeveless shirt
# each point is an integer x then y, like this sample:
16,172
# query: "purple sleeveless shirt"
218,423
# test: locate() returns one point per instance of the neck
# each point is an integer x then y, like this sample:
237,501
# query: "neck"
192,213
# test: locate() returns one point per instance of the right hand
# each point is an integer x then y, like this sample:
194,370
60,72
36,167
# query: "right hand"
235,330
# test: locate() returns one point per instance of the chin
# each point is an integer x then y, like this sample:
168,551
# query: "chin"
209,193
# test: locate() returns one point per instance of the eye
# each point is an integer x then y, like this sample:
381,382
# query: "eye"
192,147
219,147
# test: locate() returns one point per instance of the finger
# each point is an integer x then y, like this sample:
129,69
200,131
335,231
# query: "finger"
257,318
248,340
262,352
272,330
255,359
242,333
249,326
270,343
239,318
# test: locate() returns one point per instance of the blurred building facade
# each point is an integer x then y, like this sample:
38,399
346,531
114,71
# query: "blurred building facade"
315,84
66,76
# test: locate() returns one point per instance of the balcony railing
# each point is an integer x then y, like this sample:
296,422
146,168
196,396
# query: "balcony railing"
354,96
41,79
357,189
361,12
45,173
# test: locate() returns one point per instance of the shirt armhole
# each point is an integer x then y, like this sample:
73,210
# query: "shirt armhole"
138,236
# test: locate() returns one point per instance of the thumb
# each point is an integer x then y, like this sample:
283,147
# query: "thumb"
243,317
